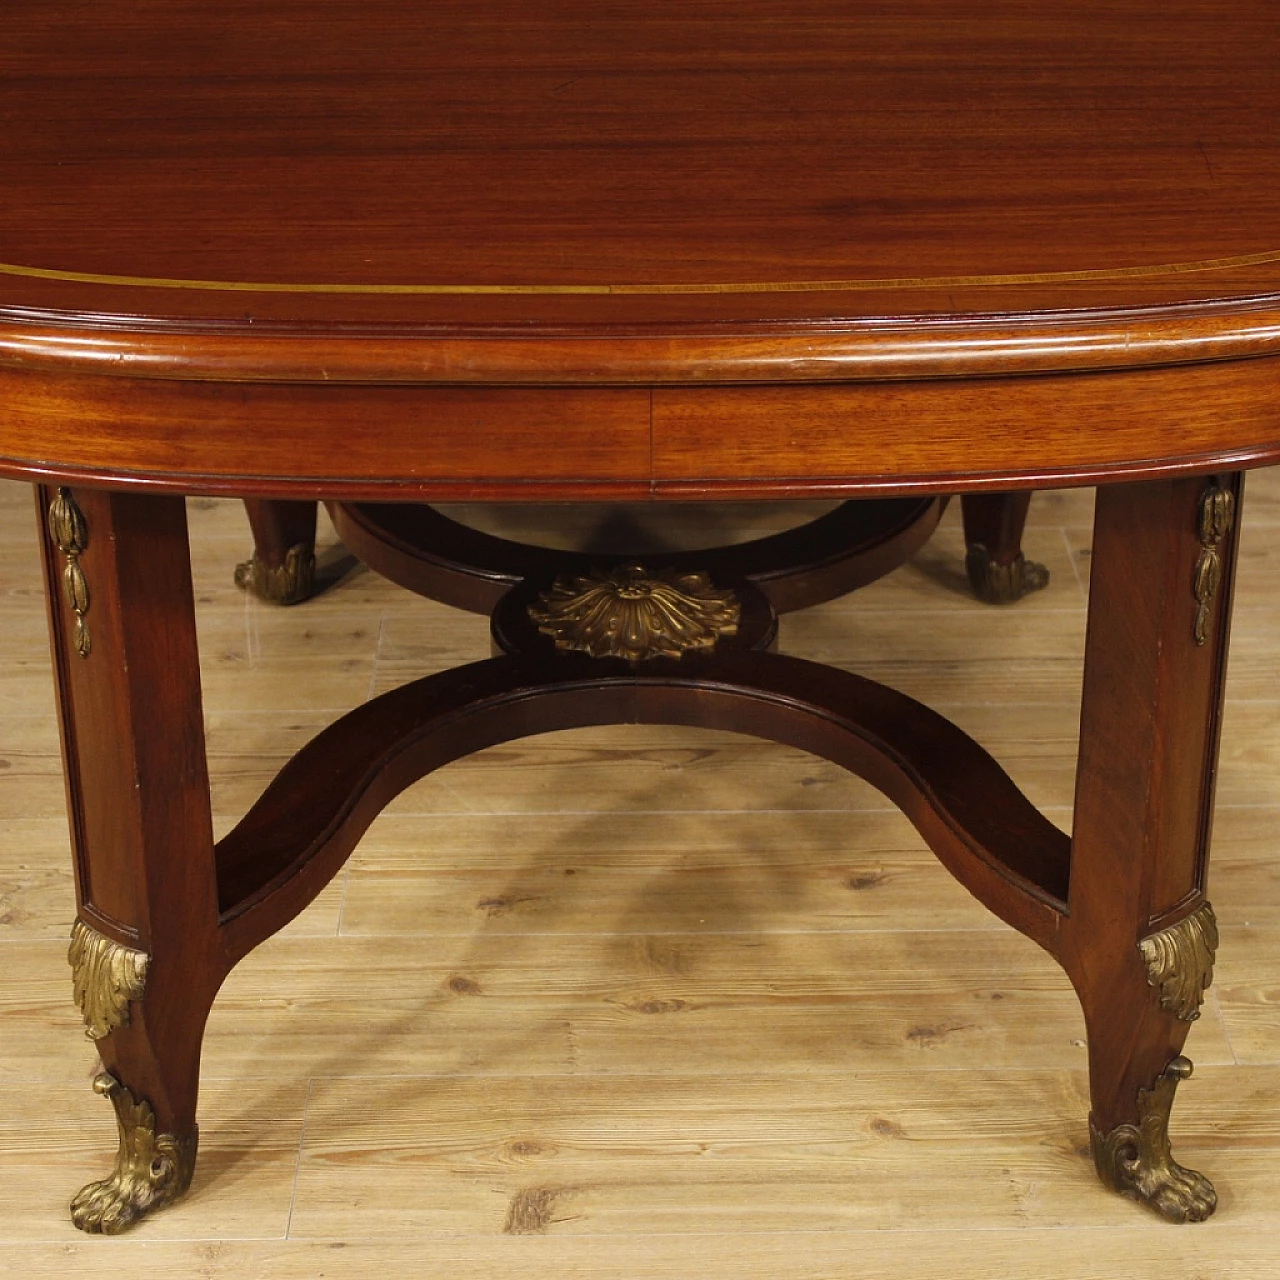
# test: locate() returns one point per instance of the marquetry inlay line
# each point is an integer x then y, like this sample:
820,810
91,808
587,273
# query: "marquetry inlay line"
767,286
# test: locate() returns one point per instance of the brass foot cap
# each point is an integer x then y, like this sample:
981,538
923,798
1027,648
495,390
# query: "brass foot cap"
1137,1161
997,583
151,1169
289,583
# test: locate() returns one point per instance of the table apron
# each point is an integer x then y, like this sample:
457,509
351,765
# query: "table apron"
442,441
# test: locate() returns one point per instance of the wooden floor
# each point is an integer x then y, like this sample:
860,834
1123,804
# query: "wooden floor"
645,1002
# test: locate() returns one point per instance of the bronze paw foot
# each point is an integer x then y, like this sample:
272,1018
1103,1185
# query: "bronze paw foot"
151,1169
997,582
1137,1160
290,582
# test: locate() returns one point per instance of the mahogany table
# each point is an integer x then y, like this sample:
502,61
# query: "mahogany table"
410,252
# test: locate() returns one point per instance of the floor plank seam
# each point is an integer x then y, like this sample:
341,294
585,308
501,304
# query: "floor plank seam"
297,1165
550,934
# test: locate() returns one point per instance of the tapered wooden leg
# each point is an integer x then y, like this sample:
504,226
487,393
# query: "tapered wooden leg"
1140,938
998,571
144,948
282,568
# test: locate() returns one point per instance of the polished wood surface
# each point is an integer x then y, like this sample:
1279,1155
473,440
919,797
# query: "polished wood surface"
768,192
138,798
705,160
410,253
444,559
756,972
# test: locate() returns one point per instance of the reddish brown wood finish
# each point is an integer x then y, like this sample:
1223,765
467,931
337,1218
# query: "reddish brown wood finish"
408,252
137,785
435,556
297,836
995,523
323,442
725,349
1144,785
426,551
279,526
774,161
999,573
895,436
448,444
788,192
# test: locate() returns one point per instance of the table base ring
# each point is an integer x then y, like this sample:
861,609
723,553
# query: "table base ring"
427,551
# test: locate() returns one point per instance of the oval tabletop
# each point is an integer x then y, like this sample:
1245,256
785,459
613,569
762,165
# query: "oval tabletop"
593,192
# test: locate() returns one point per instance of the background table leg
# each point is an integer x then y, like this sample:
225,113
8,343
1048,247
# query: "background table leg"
1140,937
282,568
998,571
145,949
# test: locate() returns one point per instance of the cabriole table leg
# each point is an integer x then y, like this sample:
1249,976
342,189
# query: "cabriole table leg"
144,948
282,568
1140,937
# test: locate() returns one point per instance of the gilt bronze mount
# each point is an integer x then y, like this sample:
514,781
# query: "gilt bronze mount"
1215,517
106,977
70,533
628,611
152,1169
1137,1160
1179,961
1003,582
290,582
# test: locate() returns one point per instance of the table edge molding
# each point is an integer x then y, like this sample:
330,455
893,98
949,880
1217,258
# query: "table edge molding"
808,351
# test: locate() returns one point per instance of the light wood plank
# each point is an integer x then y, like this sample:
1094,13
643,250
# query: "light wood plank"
758,1032
250,1135
672,872
1149,1253
755,1153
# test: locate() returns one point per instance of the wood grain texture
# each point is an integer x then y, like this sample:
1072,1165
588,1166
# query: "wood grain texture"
621,153
138,799
491,1010
1150,714
839,551
316,441
895,436
458,247
961,1255
396,443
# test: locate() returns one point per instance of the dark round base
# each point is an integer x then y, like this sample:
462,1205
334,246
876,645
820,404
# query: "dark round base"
427,552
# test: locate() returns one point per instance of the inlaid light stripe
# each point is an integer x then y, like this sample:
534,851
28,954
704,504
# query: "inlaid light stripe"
769,286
